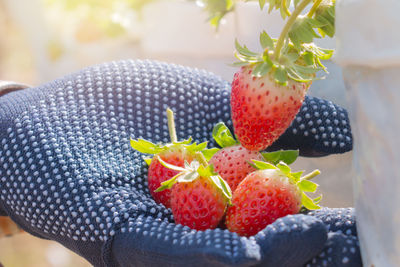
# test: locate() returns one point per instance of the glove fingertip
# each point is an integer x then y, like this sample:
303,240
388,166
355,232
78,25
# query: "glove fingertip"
339,250
292,240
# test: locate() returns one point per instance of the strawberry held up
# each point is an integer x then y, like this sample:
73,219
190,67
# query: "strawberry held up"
269,88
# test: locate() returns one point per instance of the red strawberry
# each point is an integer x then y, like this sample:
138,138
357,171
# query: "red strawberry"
157,173
175,153
266,195
199,196
261,108
232,162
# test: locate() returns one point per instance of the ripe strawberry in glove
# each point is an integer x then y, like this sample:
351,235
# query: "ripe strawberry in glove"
175,153
232,162
268,194
199,196
269,88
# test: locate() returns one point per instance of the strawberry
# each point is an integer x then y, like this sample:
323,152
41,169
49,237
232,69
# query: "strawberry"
232,162
175,153
266,195
269,88
262,109
199,196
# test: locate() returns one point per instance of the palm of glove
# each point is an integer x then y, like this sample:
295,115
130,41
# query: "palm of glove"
68,172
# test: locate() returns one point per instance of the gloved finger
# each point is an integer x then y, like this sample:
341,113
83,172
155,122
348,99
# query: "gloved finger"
340,250
341,220
291,240
148,241
319,129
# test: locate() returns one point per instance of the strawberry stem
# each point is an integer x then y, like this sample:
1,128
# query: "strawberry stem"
311,175
314,8
202,160
285,8
288,25
171,126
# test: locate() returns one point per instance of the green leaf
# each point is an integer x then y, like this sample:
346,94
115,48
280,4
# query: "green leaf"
147,160
297,175
317,200
188,177
170,166
307,186
243,50
261,3
223,186
168,184
266,41
281,76
196,147
284,168
308,202
223,136
261,69
287,156
209,153
145,146
261,165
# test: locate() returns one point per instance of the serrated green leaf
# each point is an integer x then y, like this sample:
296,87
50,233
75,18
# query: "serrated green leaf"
261,165
209,153
196,147
223,136
308,202
146,147
294,75
281,76
266,41
287,156
307,186
243,50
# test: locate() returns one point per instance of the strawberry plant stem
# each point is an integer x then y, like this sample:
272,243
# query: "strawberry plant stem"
314,8
201,158
279,44
311,175
285,8
171,126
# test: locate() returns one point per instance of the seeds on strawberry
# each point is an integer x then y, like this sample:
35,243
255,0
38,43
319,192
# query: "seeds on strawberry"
232,163
262,109
175,153
199,196
266,195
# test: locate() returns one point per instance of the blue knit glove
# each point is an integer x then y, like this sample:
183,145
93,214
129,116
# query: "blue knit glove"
68,173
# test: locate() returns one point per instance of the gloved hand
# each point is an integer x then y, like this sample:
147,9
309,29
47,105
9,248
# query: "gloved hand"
68,173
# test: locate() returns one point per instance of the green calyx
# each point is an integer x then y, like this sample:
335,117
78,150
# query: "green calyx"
194,171
293,55
286,156
303,182
223,136
148,147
